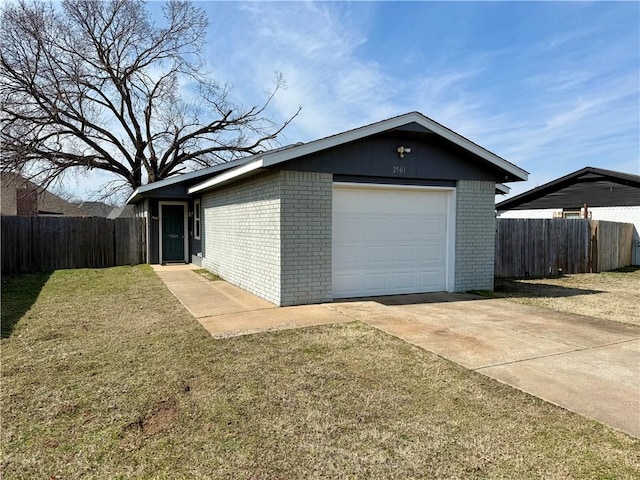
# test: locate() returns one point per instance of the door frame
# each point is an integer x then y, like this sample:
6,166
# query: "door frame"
185,228
450,255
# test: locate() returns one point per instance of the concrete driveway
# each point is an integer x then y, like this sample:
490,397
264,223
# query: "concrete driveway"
586,365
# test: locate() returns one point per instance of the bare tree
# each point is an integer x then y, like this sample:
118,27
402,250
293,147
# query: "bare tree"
98,85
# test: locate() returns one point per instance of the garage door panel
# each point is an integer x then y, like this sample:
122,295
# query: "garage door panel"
349,283
432,225
402,281
346,257
433,254
375,227
348,228
431,279
403,226
388,241
375,281
403,253
375,256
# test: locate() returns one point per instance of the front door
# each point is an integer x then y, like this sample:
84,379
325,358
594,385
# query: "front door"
173,233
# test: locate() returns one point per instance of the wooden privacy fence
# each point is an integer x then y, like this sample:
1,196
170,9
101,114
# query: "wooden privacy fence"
538,247
31,244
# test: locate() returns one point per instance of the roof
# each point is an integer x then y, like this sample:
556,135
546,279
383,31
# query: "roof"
596,187
127,211
24,196
140,192
95,209
228,172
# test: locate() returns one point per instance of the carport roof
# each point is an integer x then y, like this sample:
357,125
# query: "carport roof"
596,187
217,175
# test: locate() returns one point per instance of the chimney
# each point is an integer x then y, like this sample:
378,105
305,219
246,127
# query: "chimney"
26,201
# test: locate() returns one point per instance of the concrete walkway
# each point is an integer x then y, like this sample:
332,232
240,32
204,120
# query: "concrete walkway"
586,365
226,310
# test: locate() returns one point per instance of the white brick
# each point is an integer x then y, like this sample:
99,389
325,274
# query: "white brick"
475,235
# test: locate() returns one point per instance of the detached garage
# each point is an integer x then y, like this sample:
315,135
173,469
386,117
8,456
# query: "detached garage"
400,206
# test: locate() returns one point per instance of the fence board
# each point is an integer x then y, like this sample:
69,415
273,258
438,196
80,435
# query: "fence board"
614,245
539,247
32,244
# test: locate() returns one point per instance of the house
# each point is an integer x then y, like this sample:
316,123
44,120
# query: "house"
23,197
404,205
592,193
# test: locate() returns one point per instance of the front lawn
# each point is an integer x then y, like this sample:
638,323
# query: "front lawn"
607,295
105,375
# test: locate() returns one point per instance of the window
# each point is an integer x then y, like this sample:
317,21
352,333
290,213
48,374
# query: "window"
196,219
571,214
576,213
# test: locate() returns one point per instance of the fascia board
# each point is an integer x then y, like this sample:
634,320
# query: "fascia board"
503,189
475,149
226,176
149,187
133,195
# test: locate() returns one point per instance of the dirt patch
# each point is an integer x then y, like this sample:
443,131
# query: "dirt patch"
609,295
162,418
159,420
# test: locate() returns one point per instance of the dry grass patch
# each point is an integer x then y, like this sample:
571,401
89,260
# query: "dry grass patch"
105,375
608,295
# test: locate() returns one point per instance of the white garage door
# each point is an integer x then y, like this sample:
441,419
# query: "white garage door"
389,240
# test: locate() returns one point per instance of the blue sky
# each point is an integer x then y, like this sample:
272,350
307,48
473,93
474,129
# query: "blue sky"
552,87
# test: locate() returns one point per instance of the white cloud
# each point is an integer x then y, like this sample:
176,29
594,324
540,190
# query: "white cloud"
316,47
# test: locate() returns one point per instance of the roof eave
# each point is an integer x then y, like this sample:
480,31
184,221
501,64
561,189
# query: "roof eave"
502,189
553,185
226,177
139,193
133,198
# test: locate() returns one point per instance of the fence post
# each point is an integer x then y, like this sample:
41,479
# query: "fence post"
593,250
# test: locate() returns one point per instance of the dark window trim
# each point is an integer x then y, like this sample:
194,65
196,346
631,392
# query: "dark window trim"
196,219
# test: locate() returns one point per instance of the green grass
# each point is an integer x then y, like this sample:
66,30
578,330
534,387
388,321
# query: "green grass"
18,295
207,274
105,375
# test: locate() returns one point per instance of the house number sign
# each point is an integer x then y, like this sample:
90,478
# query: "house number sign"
399,169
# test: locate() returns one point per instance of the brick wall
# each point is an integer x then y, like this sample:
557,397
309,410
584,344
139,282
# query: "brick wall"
271,235
305,229
475,235
241,228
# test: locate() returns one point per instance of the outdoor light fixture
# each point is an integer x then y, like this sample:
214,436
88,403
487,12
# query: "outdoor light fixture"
402,150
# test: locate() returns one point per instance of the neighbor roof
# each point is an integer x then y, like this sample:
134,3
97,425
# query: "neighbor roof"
94,209
14,187
605,188
232,171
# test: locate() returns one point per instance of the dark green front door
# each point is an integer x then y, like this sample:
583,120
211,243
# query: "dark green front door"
172,233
